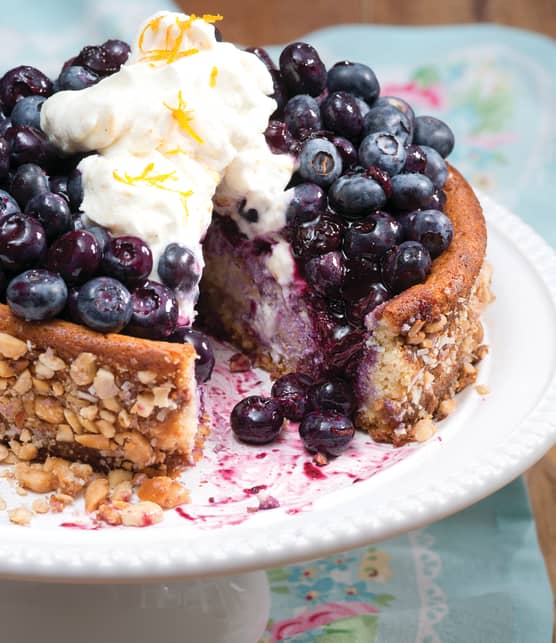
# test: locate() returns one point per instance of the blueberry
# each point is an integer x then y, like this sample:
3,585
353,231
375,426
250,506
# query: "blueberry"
128,259
279,92
257,420
302,113
436,168
307,203
433,229
411,191
104,304
291,392
319,162
205,361
377,294
101,235
155,311
363,106
406,265
99,60
263,55
59,185
178,267
325,273
354,195
75,256
53,212
347,151
433,132
75,189
326,432
28,145
8,205
27,111
360,274
37,295
317,237
28,181
278,138
384,151
355,78
117,52
302,69
341,114
371,237
22,242
437,201
388,119
401,105
416,160
76,77
333,395
20,82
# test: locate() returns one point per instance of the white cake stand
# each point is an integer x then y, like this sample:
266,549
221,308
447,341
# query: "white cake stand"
204,583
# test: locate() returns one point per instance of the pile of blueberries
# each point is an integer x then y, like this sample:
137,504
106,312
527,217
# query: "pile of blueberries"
365,222
56,263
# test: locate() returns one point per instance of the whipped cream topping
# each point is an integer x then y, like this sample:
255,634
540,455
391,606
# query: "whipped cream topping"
182,120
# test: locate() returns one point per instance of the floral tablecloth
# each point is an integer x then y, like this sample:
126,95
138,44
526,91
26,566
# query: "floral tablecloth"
476,576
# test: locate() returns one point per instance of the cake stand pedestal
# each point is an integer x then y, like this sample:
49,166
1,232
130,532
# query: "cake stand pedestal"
232,609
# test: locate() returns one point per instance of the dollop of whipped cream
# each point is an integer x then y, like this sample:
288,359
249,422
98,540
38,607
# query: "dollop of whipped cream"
182,121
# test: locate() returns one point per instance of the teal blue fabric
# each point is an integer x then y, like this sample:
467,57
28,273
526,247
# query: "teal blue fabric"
477,576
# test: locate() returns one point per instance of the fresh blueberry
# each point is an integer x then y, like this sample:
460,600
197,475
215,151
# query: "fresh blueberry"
101,235
333,395
433,132
8,205
437,201
301,114
53,212
178,267
326,432
98,60
401,105
371,237
155,311
117,52
363,106
104,304
355,195
128,259
406,265
377,294
307,203
384,151
416,160
436,168
205,361
388,119
291,392
316,237
257,420
355,78
319,162
75,256
302,69
22,242
28,145
278,138
75,190
411,191
341,114
27,111
263,55
37,295
347,151
20,82
76,77
28,181
360,273
325,273
433,229
59,185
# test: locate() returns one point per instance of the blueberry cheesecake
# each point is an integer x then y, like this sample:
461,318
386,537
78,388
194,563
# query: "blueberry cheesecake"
289,209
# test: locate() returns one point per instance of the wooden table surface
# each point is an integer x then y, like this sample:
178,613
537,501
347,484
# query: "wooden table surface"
276,21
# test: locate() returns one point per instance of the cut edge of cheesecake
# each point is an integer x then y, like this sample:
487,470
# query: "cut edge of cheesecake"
107,400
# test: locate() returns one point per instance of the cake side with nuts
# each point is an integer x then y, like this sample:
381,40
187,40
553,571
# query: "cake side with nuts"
109,400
